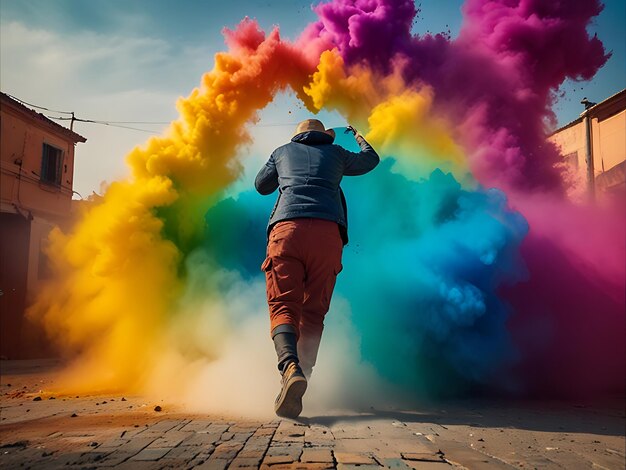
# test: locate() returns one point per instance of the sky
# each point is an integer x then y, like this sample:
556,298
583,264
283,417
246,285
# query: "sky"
120,61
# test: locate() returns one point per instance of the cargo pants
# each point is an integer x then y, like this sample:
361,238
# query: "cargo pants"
301,267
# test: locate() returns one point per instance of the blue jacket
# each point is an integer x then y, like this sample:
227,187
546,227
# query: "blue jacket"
307,172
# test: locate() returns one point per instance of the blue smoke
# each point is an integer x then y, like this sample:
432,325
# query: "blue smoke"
421,273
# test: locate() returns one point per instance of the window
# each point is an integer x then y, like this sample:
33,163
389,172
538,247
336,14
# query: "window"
572,160
51,164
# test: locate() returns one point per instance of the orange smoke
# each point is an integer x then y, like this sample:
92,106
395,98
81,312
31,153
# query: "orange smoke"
121,269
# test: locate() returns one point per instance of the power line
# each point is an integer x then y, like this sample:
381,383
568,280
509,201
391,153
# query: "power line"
120,124
104,123
98,121
131,122
38,107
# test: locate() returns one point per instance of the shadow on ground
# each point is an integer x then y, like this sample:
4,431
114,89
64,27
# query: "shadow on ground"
606,417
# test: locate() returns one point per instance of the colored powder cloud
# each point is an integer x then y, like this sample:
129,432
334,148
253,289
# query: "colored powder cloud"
468,267
122,268
422,299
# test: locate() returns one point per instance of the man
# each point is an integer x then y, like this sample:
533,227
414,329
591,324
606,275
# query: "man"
306,234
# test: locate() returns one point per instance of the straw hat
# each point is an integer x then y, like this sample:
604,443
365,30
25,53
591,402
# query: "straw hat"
311,125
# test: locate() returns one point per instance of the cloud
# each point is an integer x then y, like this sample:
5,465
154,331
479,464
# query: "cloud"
120,78
104,77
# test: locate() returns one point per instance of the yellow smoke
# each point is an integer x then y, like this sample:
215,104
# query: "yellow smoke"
121,302
399,120
121,269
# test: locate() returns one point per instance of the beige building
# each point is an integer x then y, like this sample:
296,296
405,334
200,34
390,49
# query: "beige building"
594,146
36,188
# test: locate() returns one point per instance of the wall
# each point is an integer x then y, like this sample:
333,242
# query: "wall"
608,138
22,141
609,142
29,209
14,247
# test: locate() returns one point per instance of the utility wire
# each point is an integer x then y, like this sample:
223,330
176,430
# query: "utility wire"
131,122
104,123
38,107
120,123
97,121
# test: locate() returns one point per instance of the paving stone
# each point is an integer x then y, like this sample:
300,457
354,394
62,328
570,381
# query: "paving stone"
417,445
355,432
258,442
227,450
353,458
170,439
167,463
93,456
298,466
263,431
431,465
277,459
202,456
136,444
395,463
154,453
213,464
241,462
135,465
293,451
196,425
216,428
465,456
182,424
318,435
251,453
186,453
289,432
316,456
243,428
424,457
362,445
112,444
159,427
239,436
117,457
226,436
201,439
344,466
62,460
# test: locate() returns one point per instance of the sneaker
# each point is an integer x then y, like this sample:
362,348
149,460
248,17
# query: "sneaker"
289,401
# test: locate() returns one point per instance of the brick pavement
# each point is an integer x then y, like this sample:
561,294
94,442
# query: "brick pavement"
126,433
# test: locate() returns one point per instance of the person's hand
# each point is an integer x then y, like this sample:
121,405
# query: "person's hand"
353,130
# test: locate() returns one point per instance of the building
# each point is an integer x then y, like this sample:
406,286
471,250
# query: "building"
36,181
594,146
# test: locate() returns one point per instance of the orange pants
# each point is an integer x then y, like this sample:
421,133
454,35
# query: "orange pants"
303,260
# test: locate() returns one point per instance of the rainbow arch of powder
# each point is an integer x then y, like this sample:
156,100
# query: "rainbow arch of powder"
469,267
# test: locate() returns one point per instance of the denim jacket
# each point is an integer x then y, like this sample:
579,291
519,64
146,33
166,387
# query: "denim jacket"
307,173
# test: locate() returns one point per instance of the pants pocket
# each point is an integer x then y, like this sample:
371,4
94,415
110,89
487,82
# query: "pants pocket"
270,282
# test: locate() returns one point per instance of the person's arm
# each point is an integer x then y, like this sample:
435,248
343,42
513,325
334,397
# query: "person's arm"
266,181
362,162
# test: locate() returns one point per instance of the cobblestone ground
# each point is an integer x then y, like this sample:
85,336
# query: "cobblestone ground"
43,431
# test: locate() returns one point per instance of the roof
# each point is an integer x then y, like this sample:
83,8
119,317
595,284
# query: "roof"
602,110
569,124
8,100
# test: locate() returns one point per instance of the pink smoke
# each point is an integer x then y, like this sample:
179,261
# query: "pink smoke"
497,83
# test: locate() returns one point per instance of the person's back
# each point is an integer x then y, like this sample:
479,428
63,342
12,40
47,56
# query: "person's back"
306,234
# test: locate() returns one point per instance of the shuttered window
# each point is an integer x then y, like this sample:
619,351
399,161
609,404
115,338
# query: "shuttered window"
51,164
